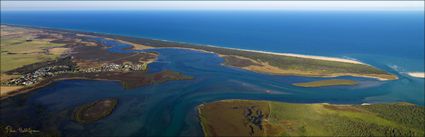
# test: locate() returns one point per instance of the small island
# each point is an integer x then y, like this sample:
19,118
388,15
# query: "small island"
325,83
268,118
94,111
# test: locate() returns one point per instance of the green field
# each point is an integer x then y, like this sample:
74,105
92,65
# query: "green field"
324,83
16,51
230,117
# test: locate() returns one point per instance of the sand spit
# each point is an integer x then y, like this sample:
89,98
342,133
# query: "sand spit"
416,74
300,55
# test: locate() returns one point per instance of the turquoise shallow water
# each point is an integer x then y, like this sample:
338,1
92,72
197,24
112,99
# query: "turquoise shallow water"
169,108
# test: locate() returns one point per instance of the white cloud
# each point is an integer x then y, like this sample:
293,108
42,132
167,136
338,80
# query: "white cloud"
212,5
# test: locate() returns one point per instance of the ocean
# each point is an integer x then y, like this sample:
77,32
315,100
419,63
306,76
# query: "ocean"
390,40
328,33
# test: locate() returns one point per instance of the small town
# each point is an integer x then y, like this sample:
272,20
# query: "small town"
50,71
113,67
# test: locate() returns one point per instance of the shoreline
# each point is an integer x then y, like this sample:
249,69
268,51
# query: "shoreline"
201,47
137,45
134,45
323,58
416,74
27,89
308,56
316,57
280,72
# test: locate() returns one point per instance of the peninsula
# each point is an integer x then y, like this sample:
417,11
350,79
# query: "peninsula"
273,63
33,57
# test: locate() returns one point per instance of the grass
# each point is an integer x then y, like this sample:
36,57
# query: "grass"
20,45
16,51
10,62
287,119
233,121
19,48
323,83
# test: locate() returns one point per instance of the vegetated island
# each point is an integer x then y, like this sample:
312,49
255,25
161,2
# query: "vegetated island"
268,118
33,58
416,74
324,83
94,111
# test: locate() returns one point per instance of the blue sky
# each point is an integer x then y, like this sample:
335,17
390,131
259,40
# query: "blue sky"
211,5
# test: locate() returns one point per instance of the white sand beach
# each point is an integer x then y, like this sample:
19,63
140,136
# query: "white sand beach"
266,52
301,56
416,74
275,53
323,58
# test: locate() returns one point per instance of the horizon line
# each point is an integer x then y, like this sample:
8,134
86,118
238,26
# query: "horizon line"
235,9
210,5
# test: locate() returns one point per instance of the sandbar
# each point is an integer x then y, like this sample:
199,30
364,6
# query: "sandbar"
416,74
